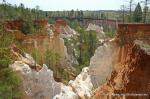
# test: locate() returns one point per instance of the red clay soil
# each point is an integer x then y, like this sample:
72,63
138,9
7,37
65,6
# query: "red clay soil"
131,74
41,23
13,25
57,26
61,22
18,24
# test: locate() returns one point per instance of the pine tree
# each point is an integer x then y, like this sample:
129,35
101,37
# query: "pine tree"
137,16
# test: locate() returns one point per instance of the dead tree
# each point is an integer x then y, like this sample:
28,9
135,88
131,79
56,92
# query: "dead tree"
146,3
123,12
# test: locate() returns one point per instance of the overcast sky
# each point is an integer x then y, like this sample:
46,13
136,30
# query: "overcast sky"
48,5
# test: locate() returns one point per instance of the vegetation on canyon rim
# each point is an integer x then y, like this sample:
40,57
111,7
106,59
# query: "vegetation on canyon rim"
83,45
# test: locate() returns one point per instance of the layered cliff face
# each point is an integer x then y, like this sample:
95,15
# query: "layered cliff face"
117,67
38,81
45,42
34,77
101,64
67,32
37,85
131,72
52,42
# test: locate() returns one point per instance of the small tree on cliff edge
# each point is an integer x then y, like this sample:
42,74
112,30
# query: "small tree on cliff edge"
137,16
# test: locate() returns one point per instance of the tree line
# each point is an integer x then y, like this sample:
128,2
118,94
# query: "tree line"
134,12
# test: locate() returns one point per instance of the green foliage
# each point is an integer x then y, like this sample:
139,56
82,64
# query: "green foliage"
83,46
6,39
51,21
52,59
110,34
9,81
74,24
103,16
10,12
36,54
87,46
9,84
28,27
137,16
5,57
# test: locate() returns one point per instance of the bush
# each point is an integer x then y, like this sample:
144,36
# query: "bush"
9,81
5,58
6,40
9,84
36,54
53,62
52,59
28,27
87,46
110,34
83,46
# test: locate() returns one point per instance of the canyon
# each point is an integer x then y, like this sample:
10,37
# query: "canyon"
119,66
74,50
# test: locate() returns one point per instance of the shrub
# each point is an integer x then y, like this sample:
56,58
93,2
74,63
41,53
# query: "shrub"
52,58
9,84
36,54
28,27
9,81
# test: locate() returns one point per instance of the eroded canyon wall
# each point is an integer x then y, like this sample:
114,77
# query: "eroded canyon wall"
101,64
38,81
132,68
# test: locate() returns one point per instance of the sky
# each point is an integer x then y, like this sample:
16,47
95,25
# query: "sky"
60,5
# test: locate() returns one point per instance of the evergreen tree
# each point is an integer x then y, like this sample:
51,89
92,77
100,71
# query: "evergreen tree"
103,16
72,13
10,82
137,16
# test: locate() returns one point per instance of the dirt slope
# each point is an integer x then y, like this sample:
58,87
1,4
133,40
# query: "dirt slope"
131,74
